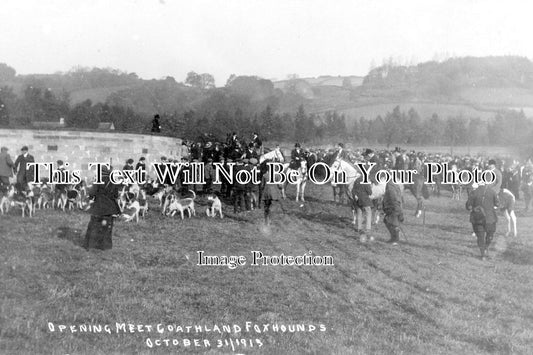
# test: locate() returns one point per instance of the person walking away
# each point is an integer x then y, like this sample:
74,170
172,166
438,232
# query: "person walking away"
270,192
362,205
482,204
103,211
392,206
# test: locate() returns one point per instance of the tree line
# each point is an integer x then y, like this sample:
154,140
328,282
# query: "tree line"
222,114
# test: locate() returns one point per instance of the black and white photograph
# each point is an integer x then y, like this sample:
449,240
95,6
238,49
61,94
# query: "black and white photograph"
266,177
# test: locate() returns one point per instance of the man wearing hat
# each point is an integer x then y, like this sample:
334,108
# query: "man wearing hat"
257,144
141,164
6,168
297,156
239,189
24,173
341,153
209,174
103,211
372,158
482,204
250,152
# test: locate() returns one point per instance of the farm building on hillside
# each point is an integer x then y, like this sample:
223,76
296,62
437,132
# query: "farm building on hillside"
49,124
106,126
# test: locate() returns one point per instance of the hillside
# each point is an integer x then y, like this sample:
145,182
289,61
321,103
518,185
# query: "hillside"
472,87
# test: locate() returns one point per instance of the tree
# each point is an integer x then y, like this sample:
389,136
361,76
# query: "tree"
267,123
413,127
207,81
304,127
4,114
7,73
193,79
200,81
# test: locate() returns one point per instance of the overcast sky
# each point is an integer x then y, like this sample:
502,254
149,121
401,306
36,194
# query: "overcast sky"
271,38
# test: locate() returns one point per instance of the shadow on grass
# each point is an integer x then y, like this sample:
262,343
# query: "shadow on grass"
322,218
519,255
76,236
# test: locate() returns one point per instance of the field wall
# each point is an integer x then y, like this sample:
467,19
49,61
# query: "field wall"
79,148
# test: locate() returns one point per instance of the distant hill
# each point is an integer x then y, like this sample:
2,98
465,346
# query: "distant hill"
468,86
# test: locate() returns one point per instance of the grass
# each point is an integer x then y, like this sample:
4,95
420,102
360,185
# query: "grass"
430,294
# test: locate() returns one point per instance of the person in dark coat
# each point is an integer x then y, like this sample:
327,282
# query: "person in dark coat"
482,204
297,155
141,164
103,211
129,165
239,189
156,126
6,167
270,192
362,203
392,206
250,153
24,173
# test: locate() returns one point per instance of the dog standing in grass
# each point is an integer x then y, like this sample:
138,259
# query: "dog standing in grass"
215,205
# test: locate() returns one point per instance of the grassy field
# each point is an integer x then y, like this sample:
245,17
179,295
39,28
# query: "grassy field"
429,295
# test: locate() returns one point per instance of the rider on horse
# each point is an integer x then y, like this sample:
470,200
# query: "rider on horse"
297,156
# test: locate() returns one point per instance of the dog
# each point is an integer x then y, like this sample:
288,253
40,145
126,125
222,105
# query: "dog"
177,204
46,198
131,212
21,199
215,205
4,199
168,194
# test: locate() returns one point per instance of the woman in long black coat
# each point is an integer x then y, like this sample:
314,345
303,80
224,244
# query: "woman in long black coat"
103,211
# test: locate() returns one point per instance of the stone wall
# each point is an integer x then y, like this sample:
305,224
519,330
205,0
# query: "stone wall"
79,148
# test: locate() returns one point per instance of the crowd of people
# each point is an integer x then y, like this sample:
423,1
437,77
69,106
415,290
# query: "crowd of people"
513,181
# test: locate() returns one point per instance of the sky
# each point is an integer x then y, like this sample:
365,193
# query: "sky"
271,38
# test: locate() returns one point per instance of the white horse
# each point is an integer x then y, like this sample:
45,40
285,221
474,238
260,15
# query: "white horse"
351,174
273,155
301,180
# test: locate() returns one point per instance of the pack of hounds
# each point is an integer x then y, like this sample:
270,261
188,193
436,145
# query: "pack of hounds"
132,200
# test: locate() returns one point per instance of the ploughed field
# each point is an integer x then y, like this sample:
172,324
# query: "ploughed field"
431,294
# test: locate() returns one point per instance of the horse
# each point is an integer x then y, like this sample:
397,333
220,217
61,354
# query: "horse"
301,180
351,174
273,155
339,190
